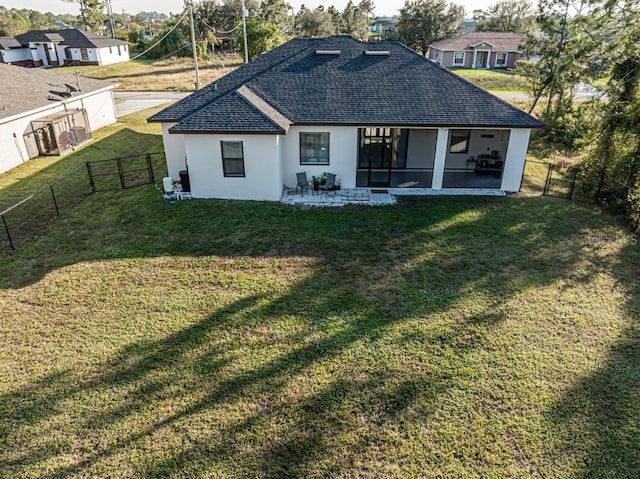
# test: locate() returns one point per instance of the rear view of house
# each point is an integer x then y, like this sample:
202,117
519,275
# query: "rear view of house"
374,114
483,50
71,46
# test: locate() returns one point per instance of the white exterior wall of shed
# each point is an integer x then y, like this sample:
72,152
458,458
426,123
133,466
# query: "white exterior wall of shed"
15,150
262,180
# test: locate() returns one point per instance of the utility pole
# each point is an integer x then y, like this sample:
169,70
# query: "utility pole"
193,44
245,14
110,15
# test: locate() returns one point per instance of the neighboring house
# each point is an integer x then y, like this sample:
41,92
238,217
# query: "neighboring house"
478,50
375,114
70,46
381,27
44,112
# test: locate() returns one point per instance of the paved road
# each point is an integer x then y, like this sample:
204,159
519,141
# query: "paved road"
132,101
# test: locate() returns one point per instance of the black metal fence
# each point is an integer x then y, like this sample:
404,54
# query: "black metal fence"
548,179
26,219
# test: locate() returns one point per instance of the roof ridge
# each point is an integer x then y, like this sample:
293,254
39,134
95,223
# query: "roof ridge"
263,107
236,87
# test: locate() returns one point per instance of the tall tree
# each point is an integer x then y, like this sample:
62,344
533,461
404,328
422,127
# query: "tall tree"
423,22
261,37
92,13
355,19
506,16
314,23
278,13
12,22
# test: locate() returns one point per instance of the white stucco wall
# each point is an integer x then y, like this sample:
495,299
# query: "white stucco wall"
16,55
479,145
421,151
516,157
343,154
100,108
109,55
262,180
14,152
173,151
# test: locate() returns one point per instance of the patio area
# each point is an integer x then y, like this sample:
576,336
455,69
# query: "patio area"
373,196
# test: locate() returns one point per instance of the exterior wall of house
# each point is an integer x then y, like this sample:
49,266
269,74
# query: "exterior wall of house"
480,142
12,131
343,154
101,110
421,148
262,180
446,59
173,151
516,157
76,57
113,54
17,56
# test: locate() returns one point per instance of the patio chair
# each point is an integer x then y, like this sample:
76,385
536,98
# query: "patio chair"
329,185
303,183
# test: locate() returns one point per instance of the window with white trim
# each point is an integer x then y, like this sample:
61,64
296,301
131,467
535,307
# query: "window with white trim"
458,58
232,158
314,148
501,59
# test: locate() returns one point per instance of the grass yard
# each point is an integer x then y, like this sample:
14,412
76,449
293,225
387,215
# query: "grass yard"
171,74
131,135
442,337
494,80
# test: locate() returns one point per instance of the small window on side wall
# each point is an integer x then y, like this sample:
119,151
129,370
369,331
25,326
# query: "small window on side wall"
232,158
501,59
459,141
458,58
314,148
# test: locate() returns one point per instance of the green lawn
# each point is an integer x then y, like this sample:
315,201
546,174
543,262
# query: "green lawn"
440,337
494,80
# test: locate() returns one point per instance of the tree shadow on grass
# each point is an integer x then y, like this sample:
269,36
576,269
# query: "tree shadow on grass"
600,415
345,370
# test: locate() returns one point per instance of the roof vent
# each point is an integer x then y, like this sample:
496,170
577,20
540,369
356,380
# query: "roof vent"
377,53
328,52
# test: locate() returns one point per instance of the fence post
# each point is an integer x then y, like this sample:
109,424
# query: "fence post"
120,172
573,183
547,180
150,167
6,228
55,203
91,182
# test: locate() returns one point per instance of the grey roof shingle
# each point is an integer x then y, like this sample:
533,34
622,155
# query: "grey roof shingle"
401,89
73,37
26,89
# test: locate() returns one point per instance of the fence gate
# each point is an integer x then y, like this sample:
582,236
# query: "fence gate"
560,181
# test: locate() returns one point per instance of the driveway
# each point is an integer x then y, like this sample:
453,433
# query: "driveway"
132,101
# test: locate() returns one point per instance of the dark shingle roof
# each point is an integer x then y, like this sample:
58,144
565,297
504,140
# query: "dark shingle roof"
27,89
401,89
73,37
